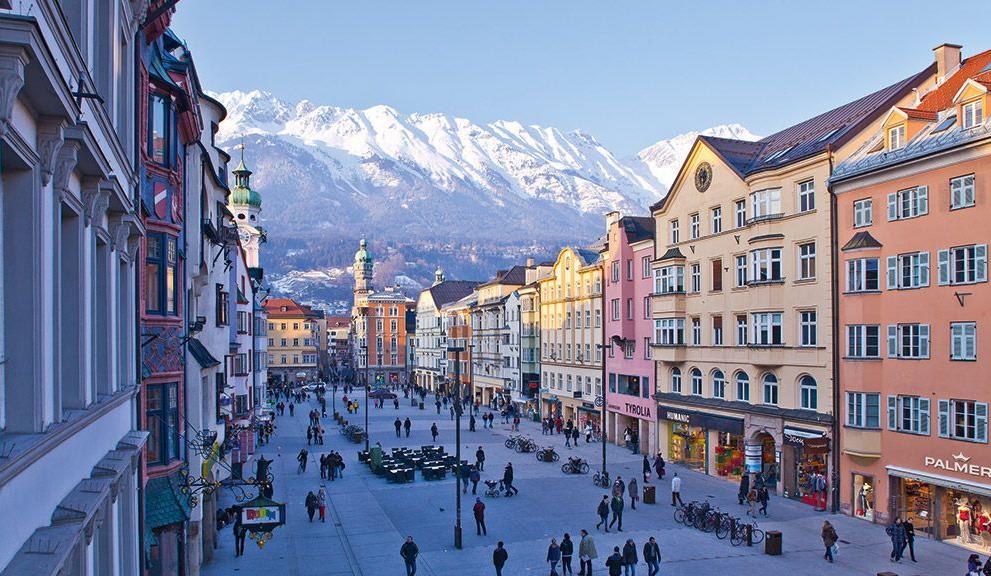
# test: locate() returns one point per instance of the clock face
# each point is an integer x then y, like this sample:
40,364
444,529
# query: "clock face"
703,177
244,237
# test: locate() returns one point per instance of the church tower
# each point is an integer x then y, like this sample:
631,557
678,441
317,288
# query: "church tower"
246,205
362,274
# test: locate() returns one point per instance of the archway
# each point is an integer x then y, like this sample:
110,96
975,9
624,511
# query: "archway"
761,458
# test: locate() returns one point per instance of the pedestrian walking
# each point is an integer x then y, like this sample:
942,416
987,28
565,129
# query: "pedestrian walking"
616,505
659,466
630,558
433,431
479,510
567,551
292,409
652,556
676,490
399,425
301,458
407,425
480,458
619,486
409,551
499,557
634,492
471,423
553,556
474,477
586,553
507,480
752,503
603,512
615,562
646,469
588,432
309,434
763,495
896,532
744,490
322,502
829,539
239,533
311,504
910,537
438,405
323,466
567,438
465,472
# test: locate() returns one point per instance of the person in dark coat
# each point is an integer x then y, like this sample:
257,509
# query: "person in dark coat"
311,504
474,477
239,532
896,532
407,425
659,466
409,552
499,558
741,496
433,431
603,511
616,505
480,458
615,562
567,551
630,558
479,511
829,539
763,495
553,556
652,556
507,480
646,469
910,538
399,425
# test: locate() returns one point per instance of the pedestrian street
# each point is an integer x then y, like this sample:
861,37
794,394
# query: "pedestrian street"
368,518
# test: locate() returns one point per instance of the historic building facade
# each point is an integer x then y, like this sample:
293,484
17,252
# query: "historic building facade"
458,328
495,331
742,300
530,337
571,336
629,329
292,341
912,211
431,337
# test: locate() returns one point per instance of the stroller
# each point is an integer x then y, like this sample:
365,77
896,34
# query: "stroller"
493,488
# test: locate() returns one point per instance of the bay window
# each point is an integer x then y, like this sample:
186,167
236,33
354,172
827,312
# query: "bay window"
766,265
766,203
863,410
669,280
669,331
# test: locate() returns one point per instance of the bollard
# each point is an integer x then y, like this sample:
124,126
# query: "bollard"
750,535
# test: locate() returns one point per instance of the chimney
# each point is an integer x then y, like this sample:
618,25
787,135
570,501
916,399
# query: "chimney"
611,218
529,262
947,60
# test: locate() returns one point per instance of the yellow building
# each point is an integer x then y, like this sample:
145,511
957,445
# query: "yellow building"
571,335
292,341
742,299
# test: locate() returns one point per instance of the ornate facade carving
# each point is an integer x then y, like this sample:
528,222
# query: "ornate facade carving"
12,62
50,140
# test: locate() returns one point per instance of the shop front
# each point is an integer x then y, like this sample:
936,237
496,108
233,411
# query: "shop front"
863,497
805,466
705,442
729,455
635,415
588,413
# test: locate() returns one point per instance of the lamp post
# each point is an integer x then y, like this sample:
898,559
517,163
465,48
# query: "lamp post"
602,413
457,439
364,353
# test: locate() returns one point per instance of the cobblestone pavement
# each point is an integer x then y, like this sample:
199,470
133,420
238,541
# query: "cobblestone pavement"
369,518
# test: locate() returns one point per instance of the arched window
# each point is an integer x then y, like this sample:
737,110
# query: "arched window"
810,392
676,379
718,384
770,389
696,382
742,387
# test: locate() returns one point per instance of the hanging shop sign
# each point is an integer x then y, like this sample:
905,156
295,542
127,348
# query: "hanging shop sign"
260,517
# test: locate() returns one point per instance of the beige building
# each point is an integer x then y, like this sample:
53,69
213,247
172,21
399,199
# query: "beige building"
292,341
742,300
571,335
530,383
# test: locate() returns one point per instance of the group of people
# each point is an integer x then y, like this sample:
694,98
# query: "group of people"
754,496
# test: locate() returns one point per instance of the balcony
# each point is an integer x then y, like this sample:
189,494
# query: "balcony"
862,443
672,354
668,303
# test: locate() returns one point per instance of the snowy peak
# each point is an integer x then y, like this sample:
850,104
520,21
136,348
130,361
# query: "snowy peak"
665,157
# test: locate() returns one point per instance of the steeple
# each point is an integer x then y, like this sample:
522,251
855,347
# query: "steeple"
246,205
242,194
363,268
438,275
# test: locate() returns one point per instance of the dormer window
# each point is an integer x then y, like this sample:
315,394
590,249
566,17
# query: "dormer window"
896,137
973,114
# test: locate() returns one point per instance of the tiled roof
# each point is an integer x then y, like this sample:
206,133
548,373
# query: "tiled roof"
451,290
637,228
515,276
672,254
293,309
201,354
164,503
921,114
860,241
941,97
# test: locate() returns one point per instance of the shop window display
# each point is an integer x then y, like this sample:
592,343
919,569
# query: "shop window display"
863,497
687,445
917,505
967,519
809,466
729,455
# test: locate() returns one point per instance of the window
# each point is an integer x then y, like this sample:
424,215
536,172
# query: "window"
766,265
717,330
741,213
907,271
222,306
676,380
646,307
696,278
598,318
767,329
807,320
806,196
742,387
863,213
963,265
614,271
669,331
718,384
908,414
908,203
963,420
807,261
741,271
973,114
717,220
158,129
809,392
629,308
696,375
696,332
770,389
645,266
693,226
162,413
896,137
629,270
674,232
161,274
963,341
962,192
863,410
908,341
629,349
766,203
647,351
717,275
613,305
670,279
862,275
741,330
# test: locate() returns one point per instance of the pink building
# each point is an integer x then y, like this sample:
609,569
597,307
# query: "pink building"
629,328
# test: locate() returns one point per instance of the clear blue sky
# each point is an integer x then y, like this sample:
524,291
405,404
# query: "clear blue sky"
628,72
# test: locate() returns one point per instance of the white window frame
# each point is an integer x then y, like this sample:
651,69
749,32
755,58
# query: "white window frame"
742,329
860,338
807,261
669,279
770,389
857,277
674,231
909,341
694,226
909,414
717,332
808,394
908,203
765,265
863,212
718,384
766,203
896,137
806,195
949,414
858,410
767,330
741,270
908,271
669,331
645,265
696,278
973,114
963,341
808,328
695,377
740,207
676,380
717,219
962,192
963,265
742,386
696,331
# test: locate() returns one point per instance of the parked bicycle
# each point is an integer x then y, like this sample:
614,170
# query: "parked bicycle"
512,440
575,465
740,533
601,479
525,444
548,455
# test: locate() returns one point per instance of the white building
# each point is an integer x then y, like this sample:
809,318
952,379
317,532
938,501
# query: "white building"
495,334
68,245
431,339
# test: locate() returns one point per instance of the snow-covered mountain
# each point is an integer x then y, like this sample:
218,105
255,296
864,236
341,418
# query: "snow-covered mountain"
664,158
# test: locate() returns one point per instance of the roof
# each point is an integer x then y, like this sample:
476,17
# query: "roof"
451,290
637,228
201,354
515,276
942,96
338,321
293,309
861,240
164,503
672,253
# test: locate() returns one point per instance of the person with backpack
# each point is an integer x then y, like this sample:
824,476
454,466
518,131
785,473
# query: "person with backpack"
652,556
499,557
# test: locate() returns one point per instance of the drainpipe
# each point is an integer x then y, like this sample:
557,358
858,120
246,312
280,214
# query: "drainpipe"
835,303
139,397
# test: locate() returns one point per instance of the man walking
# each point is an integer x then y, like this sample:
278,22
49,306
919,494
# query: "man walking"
615,562
676,490
499,557
896,532
239,532
409,552
433,431
586,553
480,458
507,480
909,537
652,556
398,424
603,512
474,477
407,425
479,510
741,495
616,505
634,493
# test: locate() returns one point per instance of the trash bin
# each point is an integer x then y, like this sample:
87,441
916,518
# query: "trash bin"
772,543
421,405
649,494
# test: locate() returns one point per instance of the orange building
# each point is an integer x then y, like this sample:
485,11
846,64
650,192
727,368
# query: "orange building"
912,212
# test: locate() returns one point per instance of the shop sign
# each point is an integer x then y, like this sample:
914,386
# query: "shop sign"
702,420
958,463
262,515
637,410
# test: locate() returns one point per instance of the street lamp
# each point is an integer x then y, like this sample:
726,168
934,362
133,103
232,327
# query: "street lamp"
364,353
457,439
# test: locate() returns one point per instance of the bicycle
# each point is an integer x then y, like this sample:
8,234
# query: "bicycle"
512,440
575,466
548,455
601,479
525,445
742,529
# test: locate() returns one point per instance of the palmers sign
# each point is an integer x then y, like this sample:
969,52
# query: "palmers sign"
959,463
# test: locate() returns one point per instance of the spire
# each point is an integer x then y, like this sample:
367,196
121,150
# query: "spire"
242,192
438,275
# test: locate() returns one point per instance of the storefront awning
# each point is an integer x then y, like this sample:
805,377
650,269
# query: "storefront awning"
938,480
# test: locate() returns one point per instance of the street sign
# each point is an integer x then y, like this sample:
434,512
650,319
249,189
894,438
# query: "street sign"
598,401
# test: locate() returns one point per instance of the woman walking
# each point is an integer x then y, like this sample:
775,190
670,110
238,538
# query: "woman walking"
567,551
553,556
829,539
630,558
311,504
